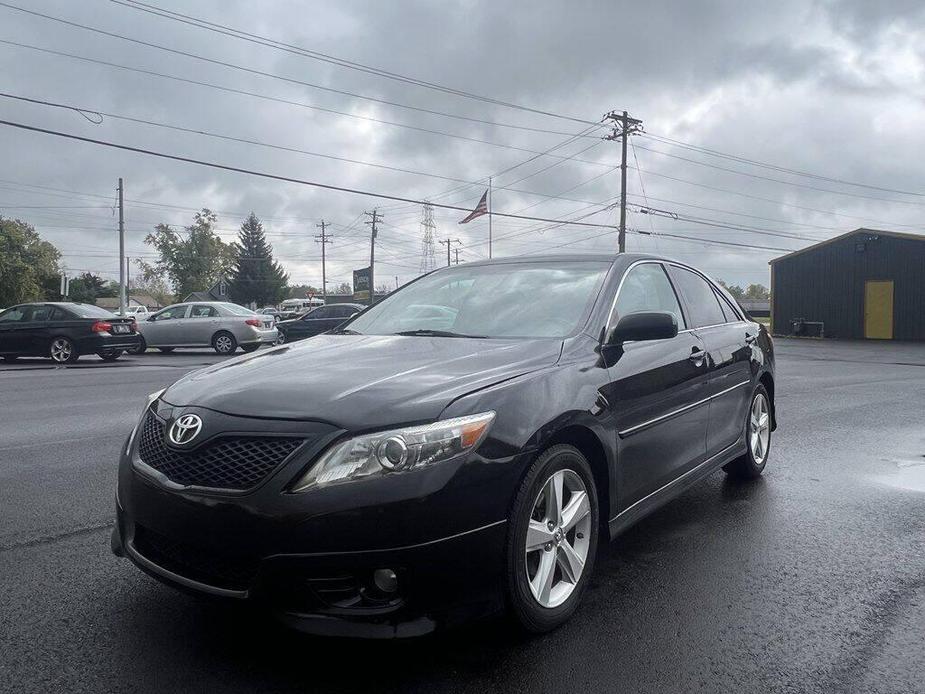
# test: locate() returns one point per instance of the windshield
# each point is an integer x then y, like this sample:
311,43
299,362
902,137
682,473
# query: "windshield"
544,299
89,311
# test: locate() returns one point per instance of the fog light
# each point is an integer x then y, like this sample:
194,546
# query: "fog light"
385,580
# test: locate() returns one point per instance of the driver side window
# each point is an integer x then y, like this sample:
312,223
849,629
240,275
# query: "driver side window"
647,288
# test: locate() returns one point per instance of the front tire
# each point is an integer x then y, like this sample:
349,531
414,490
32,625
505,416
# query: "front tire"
63,351
110,355
250,348
224,342
751,464
166,350
552,540
280,338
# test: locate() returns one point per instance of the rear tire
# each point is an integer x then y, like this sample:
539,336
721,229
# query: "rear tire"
250,348
751,464
110,355
280,338
63,350
166,350
563,533
224,342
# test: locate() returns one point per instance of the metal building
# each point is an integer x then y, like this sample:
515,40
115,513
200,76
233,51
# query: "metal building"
863,284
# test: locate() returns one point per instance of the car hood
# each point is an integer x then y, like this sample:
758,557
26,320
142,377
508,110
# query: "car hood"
360,381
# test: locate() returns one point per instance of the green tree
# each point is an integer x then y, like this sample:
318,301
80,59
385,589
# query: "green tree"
737,292
343,288
87,288
300,291
28,266
757,292
155,286
256,276
189,264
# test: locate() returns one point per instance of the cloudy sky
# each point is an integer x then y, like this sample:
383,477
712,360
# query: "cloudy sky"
833,90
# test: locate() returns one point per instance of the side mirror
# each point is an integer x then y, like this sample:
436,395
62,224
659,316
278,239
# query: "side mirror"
642,326
150,319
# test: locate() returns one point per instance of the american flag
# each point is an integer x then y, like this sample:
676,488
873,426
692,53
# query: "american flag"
480,209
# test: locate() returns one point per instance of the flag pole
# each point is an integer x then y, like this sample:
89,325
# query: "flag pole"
489,217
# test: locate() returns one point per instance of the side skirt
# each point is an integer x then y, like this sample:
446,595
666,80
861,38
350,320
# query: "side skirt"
677,486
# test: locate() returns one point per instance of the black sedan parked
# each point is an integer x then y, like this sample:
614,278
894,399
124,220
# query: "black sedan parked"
318,320
457,449
63,331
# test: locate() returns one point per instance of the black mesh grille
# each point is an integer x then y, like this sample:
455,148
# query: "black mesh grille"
194,562
230,462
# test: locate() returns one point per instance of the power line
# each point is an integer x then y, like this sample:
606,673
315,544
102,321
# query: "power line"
291,48
261,174
288,102
774,167
780,180
296,150
262,73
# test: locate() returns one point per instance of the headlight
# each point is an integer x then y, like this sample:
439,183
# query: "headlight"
150,401
396,450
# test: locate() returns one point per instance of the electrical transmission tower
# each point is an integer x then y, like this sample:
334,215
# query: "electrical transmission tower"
428,227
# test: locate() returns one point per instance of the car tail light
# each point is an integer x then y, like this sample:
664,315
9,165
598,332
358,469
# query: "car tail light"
101,326
256,322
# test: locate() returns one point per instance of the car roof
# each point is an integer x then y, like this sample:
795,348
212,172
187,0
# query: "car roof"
568,257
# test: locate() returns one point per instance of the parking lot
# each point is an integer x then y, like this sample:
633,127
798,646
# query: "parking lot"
810,580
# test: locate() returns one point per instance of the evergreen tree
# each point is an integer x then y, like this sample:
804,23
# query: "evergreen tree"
255,276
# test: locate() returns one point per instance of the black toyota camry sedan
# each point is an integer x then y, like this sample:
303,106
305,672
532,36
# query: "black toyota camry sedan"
459,449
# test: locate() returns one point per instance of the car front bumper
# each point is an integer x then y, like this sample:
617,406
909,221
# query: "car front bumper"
310,557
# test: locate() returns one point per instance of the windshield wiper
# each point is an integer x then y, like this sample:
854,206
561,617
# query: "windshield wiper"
437,333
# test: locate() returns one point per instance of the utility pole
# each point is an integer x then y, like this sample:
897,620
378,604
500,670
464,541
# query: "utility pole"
376,218
448,243
128,280
622,128
121,254
456,250
323,239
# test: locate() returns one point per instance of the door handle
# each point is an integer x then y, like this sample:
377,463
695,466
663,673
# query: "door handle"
697,355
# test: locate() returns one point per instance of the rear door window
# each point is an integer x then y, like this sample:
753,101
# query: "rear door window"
702,303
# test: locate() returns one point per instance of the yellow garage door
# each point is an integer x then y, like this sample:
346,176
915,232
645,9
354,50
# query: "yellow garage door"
878,309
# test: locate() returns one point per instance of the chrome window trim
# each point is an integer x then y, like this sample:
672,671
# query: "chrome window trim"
616,295
681,410
713,285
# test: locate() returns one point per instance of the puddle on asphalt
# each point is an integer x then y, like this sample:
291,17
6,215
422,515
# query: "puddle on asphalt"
909,474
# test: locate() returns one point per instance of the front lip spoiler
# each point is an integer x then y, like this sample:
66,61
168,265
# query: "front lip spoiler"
160,572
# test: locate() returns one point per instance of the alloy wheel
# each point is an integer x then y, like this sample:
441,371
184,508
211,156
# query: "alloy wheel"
223,344
759,428
61,350
558,538
281,338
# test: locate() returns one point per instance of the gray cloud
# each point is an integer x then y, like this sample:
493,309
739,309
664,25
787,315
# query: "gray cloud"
832,87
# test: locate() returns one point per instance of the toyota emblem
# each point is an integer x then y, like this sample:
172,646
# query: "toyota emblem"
185,429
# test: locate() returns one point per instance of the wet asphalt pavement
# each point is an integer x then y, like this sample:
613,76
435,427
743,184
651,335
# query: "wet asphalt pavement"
810,580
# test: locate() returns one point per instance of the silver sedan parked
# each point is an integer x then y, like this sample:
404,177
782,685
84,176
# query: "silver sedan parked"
221,325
